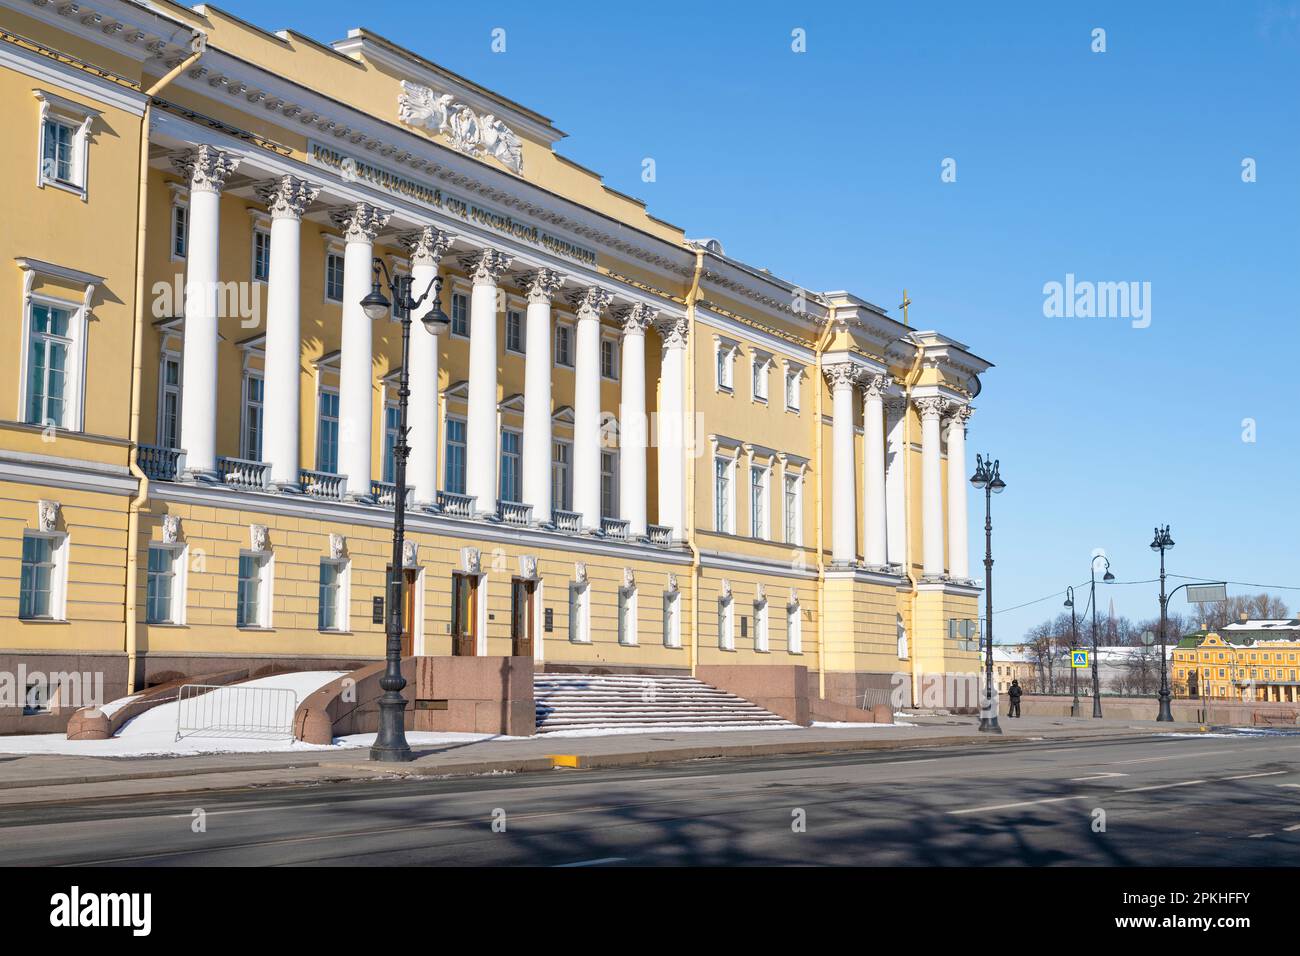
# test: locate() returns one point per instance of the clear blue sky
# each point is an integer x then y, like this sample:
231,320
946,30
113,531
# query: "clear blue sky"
1118,166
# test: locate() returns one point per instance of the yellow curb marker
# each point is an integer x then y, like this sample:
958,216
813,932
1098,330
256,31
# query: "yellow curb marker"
565,760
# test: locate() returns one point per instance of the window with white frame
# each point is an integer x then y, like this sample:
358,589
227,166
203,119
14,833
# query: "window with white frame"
460,314
579,612
334,276
561,476
902,639
759,367
253,595
563,345
327,431
793,509
250,444
724,514
52,344
609,359
514,331
609,484
169,401
758,501
725,354
43,579
332,611
793,379
400,311
49,346
454,469
64,153
727,623
511,452
627,616
672,619
760,625
262,255
165,584
392,425
793,628
180,229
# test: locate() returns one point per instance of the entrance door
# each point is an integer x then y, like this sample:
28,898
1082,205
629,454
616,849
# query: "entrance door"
409,576
464,614
521,617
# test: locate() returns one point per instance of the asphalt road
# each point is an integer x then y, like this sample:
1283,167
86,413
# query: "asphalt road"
1167,801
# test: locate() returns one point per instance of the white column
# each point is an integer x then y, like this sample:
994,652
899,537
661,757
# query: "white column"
875,514
588,304
287,197
931,487
632,429
427,247
844,512
541,287
482,436
958,557
895,486
671,427
360,223
207,168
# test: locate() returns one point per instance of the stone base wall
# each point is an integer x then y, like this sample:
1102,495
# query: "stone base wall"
1221,713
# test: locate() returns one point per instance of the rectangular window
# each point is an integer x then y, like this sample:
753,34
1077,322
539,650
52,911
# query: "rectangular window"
793,510
454,479
58,157
672,619
609,484
514,331
726,624
391,427
251,445
459,314
334,277
510,460
793,629
47,364
724,367
332,614
169,401
161,600
760,626
262,256
759,383
792,376
627,617
561,476
252,599
758,507
579,613
37,588
180,223
722,495
564,346
327,433
400,311
609,359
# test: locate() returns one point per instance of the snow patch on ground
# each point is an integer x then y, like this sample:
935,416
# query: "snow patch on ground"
660,729
851,725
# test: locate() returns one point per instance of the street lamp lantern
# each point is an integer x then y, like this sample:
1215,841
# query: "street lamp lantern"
390,743
988,479
1162,542
1107,578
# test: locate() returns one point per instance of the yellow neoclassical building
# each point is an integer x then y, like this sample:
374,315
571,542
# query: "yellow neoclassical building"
1243,661
630,451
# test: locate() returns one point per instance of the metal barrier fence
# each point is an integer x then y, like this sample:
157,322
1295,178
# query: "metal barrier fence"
211,710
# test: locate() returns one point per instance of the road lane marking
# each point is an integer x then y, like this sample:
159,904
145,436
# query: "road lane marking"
1161,786
1022,803
1292,828
1258,836
603,860
1247,776
1097,776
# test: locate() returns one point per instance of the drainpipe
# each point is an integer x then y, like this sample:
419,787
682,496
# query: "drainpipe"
823,339
198,44
909,380
691,298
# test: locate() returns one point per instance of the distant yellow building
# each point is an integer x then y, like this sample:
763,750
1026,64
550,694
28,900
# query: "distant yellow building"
630,451
1246,661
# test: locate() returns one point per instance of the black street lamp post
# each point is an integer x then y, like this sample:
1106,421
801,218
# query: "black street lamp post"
1074,646
1163,542
1107,578
988,478
390,743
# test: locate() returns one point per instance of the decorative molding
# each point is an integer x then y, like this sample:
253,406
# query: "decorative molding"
674,330
427,246
635,319
673,587
287,197
931,408
410,553
471,560
760,593
486,266
47,515
473,134
528,567
541,285
206,167
360,222
841,374
876,386
171,529
590,301
580,572
258,537
338,546
724,591
793,600
629,579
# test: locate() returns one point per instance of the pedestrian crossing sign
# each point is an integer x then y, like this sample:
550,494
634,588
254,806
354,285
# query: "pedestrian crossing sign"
1078,658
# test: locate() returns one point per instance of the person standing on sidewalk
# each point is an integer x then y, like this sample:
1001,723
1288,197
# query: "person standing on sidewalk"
1014,693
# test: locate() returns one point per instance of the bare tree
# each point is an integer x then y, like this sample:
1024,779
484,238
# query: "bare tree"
1253,607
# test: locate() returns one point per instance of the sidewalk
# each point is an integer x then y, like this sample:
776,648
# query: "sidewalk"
40,779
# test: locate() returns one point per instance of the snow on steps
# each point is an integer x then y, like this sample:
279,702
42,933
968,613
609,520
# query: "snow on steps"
653,702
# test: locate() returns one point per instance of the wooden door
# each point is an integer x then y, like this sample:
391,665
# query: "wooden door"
521,617
464,614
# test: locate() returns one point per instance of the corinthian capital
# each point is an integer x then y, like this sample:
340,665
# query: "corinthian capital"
427,245
542,285
674,331
876,386
960,414
361,221
931,408
590,301
840,374
486,266
287,197
206,166
635,319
